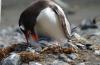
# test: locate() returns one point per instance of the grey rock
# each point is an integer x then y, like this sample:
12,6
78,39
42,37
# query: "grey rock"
34,63
3,32
97,52
63,57
81,46
1,45
24,64
13,59
69,60
72,56
96,33
43,43
88,23
81,63
82,41
30,49
57,62
36,46
20,47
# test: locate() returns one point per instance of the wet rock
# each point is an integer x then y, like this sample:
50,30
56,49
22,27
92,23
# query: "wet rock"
72,56
97,52
57,62
34,63
13,59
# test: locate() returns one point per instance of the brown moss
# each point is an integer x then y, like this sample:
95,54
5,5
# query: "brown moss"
29,56
57,49
5,51
68,50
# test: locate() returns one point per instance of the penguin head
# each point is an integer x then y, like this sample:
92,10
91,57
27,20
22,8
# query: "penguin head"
29,32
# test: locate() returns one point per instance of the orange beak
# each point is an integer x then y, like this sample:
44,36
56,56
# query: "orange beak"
35,37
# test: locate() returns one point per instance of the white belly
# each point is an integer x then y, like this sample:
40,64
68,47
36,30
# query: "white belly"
48,24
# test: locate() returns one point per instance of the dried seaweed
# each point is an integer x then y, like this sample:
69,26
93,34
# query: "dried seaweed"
29,56
5,51
57,49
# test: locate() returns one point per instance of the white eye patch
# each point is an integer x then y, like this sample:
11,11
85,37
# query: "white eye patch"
22,27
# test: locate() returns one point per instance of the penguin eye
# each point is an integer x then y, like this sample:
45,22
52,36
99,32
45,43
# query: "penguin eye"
22,28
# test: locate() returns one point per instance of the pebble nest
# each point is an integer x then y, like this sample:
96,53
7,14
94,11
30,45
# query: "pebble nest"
83,49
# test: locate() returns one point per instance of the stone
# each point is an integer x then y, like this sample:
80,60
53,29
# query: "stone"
43,43
95,47
34,63
72,56
3,32
57,62
81,46
88,24
79,39
30,50
36,46
97,52
24,64
81,63
63,57
13,59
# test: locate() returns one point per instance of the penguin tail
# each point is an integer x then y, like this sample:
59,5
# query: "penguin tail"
62,19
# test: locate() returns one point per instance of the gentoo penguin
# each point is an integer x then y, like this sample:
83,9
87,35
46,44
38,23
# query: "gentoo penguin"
47,18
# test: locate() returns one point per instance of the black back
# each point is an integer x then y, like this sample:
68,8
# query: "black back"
29,16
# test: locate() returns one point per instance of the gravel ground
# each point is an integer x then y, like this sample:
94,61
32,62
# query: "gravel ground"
87,45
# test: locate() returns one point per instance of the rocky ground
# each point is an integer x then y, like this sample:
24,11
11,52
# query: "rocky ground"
82,49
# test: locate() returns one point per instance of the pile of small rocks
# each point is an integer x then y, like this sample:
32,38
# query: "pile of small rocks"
82,49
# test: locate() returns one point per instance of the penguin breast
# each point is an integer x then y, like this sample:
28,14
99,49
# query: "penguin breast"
48,24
